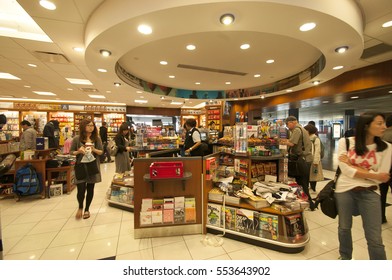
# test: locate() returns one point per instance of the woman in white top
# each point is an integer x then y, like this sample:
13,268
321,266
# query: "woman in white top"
365,165
316,169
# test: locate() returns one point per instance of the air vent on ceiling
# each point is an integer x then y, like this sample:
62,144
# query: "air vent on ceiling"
51,57
376,50
193,67
89,90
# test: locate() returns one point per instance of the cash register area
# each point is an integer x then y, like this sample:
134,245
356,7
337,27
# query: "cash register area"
46,229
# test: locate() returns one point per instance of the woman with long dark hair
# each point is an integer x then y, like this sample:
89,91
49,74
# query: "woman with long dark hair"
122,159
364,166
87,143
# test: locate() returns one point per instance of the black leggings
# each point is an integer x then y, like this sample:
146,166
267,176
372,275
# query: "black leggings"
82,187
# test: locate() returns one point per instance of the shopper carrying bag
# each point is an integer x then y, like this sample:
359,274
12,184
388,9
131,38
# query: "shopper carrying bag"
364,166
87,147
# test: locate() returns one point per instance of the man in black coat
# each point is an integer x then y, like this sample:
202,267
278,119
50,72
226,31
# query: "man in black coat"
103,133
52,131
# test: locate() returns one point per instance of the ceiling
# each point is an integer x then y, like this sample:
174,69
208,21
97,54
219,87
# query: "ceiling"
271,28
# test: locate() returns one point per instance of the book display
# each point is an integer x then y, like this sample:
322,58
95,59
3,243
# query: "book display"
121,192
267,213
167,203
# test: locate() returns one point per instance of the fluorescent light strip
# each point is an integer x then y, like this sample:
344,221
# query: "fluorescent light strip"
44,93
79,81
97,96
62,101
140,101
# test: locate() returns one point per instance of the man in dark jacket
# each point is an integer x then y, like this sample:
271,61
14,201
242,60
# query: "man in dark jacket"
103,133
52,131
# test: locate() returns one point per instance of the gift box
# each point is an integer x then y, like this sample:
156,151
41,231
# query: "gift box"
160,170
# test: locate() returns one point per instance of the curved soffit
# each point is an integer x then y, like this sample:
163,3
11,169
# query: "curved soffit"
270,28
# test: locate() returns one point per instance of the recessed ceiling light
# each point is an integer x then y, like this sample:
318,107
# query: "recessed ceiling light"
140,101
227,19
245,46
197,83
70,89
289,90
387,24
172,76
354,97
102,70
162,97
235,98
262,96
191,47
139,91
108,91
44,93
228,83
79,81
163,62
144,29
269,61
338,67
97,96
341,49
105,53
26,86
78,49
117,84
316,83
257,75
47,5
307,26
390,91
8,76
32,65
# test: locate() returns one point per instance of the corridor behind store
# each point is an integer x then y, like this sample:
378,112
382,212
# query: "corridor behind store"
46,229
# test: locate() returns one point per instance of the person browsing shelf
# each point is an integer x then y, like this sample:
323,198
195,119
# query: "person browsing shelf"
28,137
122,159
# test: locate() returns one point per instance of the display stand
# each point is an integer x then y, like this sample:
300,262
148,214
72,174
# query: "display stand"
285,241
168,188
121,195
69,178
147,178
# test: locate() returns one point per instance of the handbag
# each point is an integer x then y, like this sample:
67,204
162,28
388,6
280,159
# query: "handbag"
85,170
326,197
327,200
294,166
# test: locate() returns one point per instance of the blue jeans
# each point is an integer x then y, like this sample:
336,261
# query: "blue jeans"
368,205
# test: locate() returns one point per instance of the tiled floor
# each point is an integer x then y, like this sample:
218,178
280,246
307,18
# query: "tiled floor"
46,229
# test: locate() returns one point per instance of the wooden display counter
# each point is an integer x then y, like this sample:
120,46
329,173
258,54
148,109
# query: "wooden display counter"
190,187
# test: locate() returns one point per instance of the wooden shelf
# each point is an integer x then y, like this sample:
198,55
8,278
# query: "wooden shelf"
187,176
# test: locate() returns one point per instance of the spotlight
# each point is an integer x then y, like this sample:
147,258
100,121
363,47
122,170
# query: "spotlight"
341,49
316,82
227,19
105,53
117,84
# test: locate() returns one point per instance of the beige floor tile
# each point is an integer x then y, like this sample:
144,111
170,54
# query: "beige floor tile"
70,236
249,253
30,218
109,217
28,255
146,254
128,244
48,226
199,251
159,241
33,242
14,230
103,231
68,252
174,251
99,249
